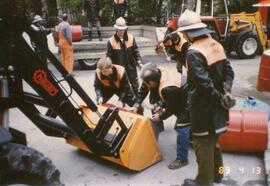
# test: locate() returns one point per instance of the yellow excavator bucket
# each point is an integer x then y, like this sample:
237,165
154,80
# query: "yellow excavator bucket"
139,149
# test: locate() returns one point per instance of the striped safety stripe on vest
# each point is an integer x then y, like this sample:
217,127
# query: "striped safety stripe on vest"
168,78
120,73
116,45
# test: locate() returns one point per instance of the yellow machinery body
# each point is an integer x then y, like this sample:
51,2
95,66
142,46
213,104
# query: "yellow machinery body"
250,21
139,149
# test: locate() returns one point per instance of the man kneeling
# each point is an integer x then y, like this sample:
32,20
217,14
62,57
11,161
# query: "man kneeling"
112,79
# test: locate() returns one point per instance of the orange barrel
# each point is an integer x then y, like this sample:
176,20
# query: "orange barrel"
247,131
263,81
77,33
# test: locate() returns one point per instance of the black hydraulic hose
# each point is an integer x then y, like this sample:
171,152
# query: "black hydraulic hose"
74,84
53,124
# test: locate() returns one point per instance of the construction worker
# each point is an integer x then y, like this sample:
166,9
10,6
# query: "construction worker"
65,43
93,12
210,78
39,43
112,80
123,50
179,46
120,8
169,89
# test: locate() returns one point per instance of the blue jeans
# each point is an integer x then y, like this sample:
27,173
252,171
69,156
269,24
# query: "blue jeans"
182,143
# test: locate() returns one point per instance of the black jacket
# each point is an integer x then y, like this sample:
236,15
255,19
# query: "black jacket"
175,98
208,117
39,40
127,57
124,91
120,9
92,8
180,57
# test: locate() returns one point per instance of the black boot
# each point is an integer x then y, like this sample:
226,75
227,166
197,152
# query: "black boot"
190,182
99,35
90,36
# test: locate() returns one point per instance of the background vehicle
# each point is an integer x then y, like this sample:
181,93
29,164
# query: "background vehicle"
242,33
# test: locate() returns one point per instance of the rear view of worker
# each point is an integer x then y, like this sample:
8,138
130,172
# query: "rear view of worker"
112,80
210,78
65,43
123,50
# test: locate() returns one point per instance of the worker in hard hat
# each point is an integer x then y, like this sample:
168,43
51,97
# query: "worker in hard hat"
179,46
123,50
210,78
112,80
39,38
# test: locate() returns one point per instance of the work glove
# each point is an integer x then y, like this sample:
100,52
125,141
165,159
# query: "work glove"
227,101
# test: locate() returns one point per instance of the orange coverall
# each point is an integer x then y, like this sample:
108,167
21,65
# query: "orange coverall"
66,53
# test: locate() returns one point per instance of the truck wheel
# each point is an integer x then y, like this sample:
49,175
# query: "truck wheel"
247,46
88,64
20,164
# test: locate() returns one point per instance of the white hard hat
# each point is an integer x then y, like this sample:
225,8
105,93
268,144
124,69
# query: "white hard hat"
190,20
37,18
120,24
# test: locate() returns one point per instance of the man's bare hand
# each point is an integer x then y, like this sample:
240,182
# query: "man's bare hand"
158,109
100,101
155,118
120,104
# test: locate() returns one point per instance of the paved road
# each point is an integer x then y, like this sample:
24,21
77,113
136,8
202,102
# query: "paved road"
79,168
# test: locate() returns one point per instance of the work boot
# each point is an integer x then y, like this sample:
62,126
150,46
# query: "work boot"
218,180
176,164
99,36
191,182
89,36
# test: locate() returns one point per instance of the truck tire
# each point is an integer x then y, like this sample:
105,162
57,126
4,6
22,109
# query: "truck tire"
20,164
247,46
88,64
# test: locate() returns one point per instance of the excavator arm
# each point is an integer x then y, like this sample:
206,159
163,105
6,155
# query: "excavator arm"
24,65
125,138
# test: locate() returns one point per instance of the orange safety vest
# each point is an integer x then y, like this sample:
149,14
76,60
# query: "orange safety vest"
120,73
116,45
181,43
210,49
119,1
168,78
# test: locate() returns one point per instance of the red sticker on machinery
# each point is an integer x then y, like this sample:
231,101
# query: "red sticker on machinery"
40,77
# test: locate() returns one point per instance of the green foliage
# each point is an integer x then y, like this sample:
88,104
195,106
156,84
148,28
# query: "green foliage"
150,12
74,9
236,6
